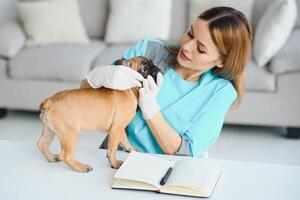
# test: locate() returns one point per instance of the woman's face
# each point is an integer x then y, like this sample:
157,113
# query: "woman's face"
198,51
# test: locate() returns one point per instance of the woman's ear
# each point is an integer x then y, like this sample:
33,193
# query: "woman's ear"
219,64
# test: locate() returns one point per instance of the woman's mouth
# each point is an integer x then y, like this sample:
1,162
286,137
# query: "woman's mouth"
183,56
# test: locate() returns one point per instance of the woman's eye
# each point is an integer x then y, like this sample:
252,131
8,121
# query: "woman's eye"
190,34
200,51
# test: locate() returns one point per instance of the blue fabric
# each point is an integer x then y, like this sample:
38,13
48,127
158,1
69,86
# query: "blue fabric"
139,49
195,110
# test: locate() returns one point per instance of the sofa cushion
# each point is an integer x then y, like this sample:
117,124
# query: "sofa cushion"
49,22
259,79
111,53
3,64
273,30
298,17
145,18
12,38
94,15
178,19
259,8
288,59
60,62
7,10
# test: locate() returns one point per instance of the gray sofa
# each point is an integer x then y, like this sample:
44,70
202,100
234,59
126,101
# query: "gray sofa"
28,75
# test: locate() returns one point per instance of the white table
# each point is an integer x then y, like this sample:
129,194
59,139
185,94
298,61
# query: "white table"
25,174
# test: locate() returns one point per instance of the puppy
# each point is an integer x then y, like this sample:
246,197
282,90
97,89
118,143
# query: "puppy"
68,112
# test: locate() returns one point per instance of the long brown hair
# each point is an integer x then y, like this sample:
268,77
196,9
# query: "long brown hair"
232,35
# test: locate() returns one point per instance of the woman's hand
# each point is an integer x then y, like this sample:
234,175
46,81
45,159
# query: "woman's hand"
147,99
167,138
117,77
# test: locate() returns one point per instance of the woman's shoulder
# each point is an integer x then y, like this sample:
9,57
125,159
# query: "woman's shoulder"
222,86
143,43
141,47
153,49
148,41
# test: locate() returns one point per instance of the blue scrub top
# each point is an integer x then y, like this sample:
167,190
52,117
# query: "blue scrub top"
195,110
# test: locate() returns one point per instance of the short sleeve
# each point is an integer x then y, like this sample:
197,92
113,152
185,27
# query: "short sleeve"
152,49
138,49
184,148
207,127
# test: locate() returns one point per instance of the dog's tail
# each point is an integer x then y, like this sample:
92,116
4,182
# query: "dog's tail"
46,104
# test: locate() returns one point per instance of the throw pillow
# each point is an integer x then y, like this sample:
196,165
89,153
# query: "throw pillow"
12,39
132,20
55,21
288,59
273,30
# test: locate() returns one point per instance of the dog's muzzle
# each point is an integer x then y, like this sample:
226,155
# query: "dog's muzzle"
146,67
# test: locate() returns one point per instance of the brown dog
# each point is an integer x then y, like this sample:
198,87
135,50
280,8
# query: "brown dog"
86,109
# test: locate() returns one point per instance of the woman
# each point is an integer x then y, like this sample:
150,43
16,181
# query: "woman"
203,78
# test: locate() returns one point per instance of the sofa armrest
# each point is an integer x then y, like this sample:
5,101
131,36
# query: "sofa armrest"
288,60
12,38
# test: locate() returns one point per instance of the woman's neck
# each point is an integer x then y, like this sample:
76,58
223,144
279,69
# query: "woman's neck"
188,74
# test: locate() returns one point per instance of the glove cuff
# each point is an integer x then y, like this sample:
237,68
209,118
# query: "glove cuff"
149,113
93,78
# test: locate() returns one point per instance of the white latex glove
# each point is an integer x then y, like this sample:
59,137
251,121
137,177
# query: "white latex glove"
117,77
147,98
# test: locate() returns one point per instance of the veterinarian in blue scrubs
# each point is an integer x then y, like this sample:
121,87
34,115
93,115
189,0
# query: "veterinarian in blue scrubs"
203,77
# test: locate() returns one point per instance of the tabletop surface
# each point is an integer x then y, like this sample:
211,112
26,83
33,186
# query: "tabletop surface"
25,174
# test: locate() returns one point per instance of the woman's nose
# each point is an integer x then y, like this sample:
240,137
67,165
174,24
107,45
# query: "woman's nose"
189,45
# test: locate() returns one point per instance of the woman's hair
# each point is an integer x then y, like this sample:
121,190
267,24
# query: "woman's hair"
231,33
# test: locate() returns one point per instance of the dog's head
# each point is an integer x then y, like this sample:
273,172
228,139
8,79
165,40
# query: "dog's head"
140,64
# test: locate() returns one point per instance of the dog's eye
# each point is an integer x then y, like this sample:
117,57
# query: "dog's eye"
144,62
144,68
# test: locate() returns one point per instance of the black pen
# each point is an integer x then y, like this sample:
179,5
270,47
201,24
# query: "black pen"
166,176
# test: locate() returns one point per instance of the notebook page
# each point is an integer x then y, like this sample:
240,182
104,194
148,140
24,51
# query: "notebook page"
194,173
144,167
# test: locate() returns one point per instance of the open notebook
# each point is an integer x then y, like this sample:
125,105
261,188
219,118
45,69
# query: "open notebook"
189,176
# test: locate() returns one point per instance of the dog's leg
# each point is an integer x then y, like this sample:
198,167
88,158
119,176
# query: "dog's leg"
68,141
125,143
114,139
44,143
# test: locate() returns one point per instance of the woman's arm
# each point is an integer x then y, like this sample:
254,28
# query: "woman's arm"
117,77
166,137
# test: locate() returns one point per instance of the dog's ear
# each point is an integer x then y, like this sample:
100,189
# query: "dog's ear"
150,60
154,71
121,61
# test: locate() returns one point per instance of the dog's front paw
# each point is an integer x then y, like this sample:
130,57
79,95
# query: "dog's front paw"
84,168
131,149
116,164
53,158
134,149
